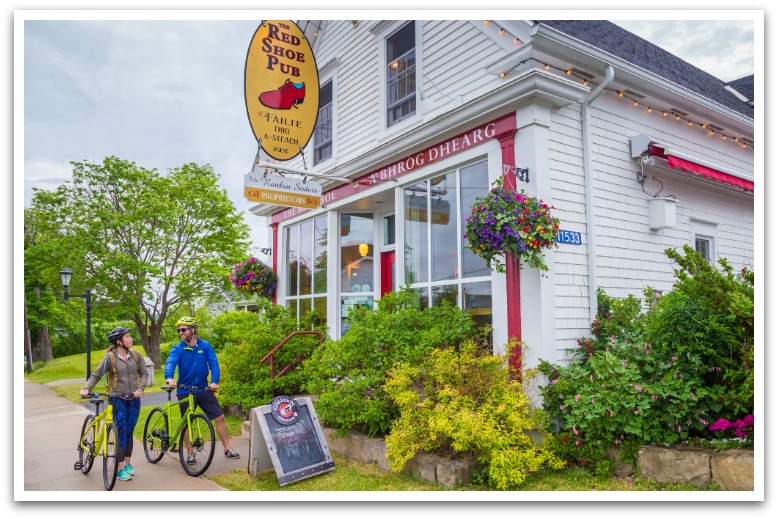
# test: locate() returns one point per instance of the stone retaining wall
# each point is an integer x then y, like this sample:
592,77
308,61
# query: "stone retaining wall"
730,470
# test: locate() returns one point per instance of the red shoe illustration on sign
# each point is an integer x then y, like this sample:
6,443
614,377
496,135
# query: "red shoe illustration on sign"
288,95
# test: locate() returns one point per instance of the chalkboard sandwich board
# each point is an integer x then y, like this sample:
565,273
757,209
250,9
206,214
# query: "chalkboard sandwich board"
287,437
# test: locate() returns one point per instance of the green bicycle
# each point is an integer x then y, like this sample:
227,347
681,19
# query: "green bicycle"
98,438
193,436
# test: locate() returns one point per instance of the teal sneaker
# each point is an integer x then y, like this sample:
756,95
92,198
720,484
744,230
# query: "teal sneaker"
123,475
128,468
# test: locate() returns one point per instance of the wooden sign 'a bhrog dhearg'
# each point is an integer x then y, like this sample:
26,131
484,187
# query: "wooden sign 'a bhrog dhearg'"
281,88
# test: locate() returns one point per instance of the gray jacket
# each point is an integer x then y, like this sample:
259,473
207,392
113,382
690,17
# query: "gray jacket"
131,375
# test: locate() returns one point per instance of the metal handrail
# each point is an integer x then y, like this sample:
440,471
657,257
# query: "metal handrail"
289,366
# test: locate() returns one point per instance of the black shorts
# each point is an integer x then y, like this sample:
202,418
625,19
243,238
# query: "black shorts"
205,401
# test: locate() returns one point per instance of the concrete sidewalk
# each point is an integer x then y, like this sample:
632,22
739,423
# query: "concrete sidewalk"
51,428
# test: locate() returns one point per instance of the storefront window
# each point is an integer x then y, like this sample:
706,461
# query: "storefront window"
306,268
437,264
357,250
416,233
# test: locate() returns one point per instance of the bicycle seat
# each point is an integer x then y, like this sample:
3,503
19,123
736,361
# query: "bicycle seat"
95,400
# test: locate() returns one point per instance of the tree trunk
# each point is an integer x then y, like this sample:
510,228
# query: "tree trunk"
44,345
44,342
27,345
149,335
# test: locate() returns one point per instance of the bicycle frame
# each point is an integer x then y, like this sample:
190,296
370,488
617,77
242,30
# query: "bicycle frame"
98,438
100,427
193,435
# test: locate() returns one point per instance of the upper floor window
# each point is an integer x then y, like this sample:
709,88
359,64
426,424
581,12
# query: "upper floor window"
322,133
401,74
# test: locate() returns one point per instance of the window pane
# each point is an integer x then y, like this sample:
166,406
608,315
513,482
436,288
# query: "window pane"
389,230
702,245
477,301
422,296
305,263
474,182
401,74
292,255
356,253
322,133
448,293
347,304
416,249
444,228
320,255
320,305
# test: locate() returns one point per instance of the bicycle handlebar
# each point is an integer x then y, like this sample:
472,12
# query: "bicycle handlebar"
184,386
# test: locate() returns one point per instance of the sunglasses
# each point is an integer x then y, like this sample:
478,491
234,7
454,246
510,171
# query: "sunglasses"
182,330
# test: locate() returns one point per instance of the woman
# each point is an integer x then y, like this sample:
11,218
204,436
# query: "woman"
126,374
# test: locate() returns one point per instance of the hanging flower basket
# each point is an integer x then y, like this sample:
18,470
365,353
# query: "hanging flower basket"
511,222
254,277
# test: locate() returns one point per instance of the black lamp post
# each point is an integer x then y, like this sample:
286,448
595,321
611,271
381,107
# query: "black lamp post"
66,274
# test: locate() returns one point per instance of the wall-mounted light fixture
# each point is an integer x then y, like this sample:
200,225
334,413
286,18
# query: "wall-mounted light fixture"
363,248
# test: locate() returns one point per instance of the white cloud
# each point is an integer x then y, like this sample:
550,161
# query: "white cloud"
723,48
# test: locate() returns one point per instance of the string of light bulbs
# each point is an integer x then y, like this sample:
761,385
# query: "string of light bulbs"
636,103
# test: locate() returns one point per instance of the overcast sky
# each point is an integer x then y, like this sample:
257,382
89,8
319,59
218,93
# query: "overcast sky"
163,93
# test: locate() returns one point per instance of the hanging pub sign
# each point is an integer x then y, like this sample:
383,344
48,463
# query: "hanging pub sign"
281,88
274,189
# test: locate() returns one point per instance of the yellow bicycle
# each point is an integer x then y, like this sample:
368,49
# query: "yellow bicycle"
193,436
98,438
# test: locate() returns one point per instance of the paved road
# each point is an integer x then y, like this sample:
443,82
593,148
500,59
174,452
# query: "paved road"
51,428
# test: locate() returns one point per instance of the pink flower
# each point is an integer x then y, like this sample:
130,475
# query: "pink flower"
554,381
561,407
577,443
577,398
638,388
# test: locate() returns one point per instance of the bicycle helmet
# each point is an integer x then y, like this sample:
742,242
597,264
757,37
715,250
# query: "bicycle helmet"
187,321
116,334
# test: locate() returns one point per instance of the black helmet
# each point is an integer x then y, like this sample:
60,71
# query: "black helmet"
116,334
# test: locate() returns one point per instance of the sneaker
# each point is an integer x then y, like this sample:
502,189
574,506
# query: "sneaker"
124,475
190,459
128,468
229,453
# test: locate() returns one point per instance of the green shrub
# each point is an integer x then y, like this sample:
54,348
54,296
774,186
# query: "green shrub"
466,403
623,395
349,374
242,339
709,315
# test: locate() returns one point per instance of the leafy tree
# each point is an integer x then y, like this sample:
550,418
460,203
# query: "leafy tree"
46,250
149,243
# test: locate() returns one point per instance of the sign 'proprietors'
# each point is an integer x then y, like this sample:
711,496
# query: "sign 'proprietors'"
281,88
278,190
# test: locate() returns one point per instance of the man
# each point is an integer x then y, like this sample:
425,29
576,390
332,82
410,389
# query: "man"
194,358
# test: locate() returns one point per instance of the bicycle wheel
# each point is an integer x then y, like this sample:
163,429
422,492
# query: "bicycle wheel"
110,467
156,435
86,445
196,457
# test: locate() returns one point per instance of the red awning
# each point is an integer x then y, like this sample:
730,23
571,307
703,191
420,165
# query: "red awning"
698,169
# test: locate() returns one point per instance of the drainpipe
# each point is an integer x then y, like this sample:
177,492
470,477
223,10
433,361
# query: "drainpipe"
591,248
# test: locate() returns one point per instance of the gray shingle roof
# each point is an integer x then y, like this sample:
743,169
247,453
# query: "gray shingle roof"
744,86
623,44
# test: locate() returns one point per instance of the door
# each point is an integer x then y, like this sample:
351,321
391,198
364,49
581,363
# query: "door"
387,272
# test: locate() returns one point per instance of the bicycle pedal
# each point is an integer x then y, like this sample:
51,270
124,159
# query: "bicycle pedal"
77,466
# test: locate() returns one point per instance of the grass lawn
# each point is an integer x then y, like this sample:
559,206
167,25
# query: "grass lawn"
352,475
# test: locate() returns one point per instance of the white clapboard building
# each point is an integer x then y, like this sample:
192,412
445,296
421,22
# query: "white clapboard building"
637,150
